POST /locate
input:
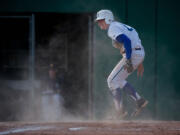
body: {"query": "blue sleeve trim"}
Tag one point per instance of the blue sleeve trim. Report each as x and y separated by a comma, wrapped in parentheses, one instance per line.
(122, 38)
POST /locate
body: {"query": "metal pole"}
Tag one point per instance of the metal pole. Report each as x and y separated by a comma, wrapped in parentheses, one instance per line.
(90, 63)
(156, 57)
(32, 54)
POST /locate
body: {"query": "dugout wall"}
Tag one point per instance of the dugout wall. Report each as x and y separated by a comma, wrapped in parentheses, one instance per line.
(30, 43)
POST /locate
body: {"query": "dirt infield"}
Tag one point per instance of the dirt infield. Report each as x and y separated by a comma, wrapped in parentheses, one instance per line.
(91, 128)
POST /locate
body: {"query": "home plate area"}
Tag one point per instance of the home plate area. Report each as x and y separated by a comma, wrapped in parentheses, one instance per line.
(91, 128)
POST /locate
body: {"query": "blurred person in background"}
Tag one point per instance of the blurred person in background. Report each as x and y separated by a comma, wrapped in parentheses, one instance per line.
(52, 101)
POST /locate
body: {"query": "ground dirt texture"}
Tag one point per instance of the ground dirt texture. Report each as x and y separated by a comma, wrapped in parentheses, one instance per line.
(91, 128)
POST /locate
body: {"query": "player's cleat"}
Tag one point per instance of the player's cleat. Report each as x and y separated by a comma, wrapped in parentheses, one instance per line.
(118, 116)
(121, 114)
(141, 103)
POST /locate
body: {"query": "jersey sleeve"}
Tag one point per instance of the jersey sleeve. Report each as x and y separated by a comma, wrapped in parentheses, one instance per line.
(127, 44)
(114, 31)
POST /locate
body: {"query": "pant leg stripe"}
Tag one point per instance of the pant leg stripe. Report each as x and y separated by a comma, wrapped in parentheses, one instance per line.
(117, 74)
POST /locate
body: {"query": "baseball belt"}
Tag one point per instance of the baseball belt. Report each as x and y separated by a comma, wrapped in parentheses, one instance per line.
(136, 49)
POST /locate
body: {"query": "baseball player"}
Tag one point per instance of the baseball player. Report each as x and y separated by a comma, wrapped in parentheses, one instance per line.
(126, 39)
(52, 100)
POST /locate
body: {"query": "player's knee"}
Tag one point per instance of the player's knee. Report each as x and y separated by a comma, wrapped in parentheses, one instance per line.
(122, 83)
(110, 83)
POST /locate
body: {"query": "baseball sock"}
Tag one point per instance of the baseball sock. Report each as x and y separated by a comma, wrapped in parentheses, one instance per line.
(131, 91)
(117, 94)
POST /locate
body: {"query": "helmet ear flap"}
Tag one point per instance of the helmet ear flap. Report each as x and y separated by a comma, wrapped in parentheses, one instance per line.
(108, 21)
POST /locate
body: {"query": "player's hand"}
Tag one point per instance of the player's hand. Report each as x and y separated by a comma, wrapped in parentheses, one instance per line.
(140, 70)
(128, 66)
(116, 44)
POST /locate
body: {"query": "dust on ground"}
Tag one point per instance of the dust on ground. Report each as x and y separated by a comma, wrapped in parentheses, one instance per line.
(91, 128)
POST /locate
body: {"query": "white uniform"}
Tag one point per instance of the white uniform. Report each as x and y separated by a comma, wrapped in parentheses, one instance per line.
(117, 78)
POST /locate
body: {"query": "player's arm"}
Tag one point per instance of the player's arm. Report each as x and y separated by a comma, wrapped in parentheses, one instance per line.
(122, 38)
(140, 70)
(117, 34)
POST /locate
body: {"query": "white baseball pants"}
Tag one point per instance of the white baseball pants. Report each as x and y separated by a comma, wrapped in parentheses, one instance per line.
(117, 78)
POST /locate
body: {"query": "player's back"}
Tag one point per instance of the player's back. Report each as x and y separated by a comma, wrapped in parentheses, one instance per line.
(117, 28)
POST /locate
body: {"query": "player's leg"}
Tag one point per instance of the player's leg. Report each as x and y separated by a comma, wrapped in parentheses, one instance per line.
(113, 81)
(116, 91)
(129, 89)
(140, 101)
(56, 106)
(118, 102)
(136, 59)
(45, 107)
(117, 79)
